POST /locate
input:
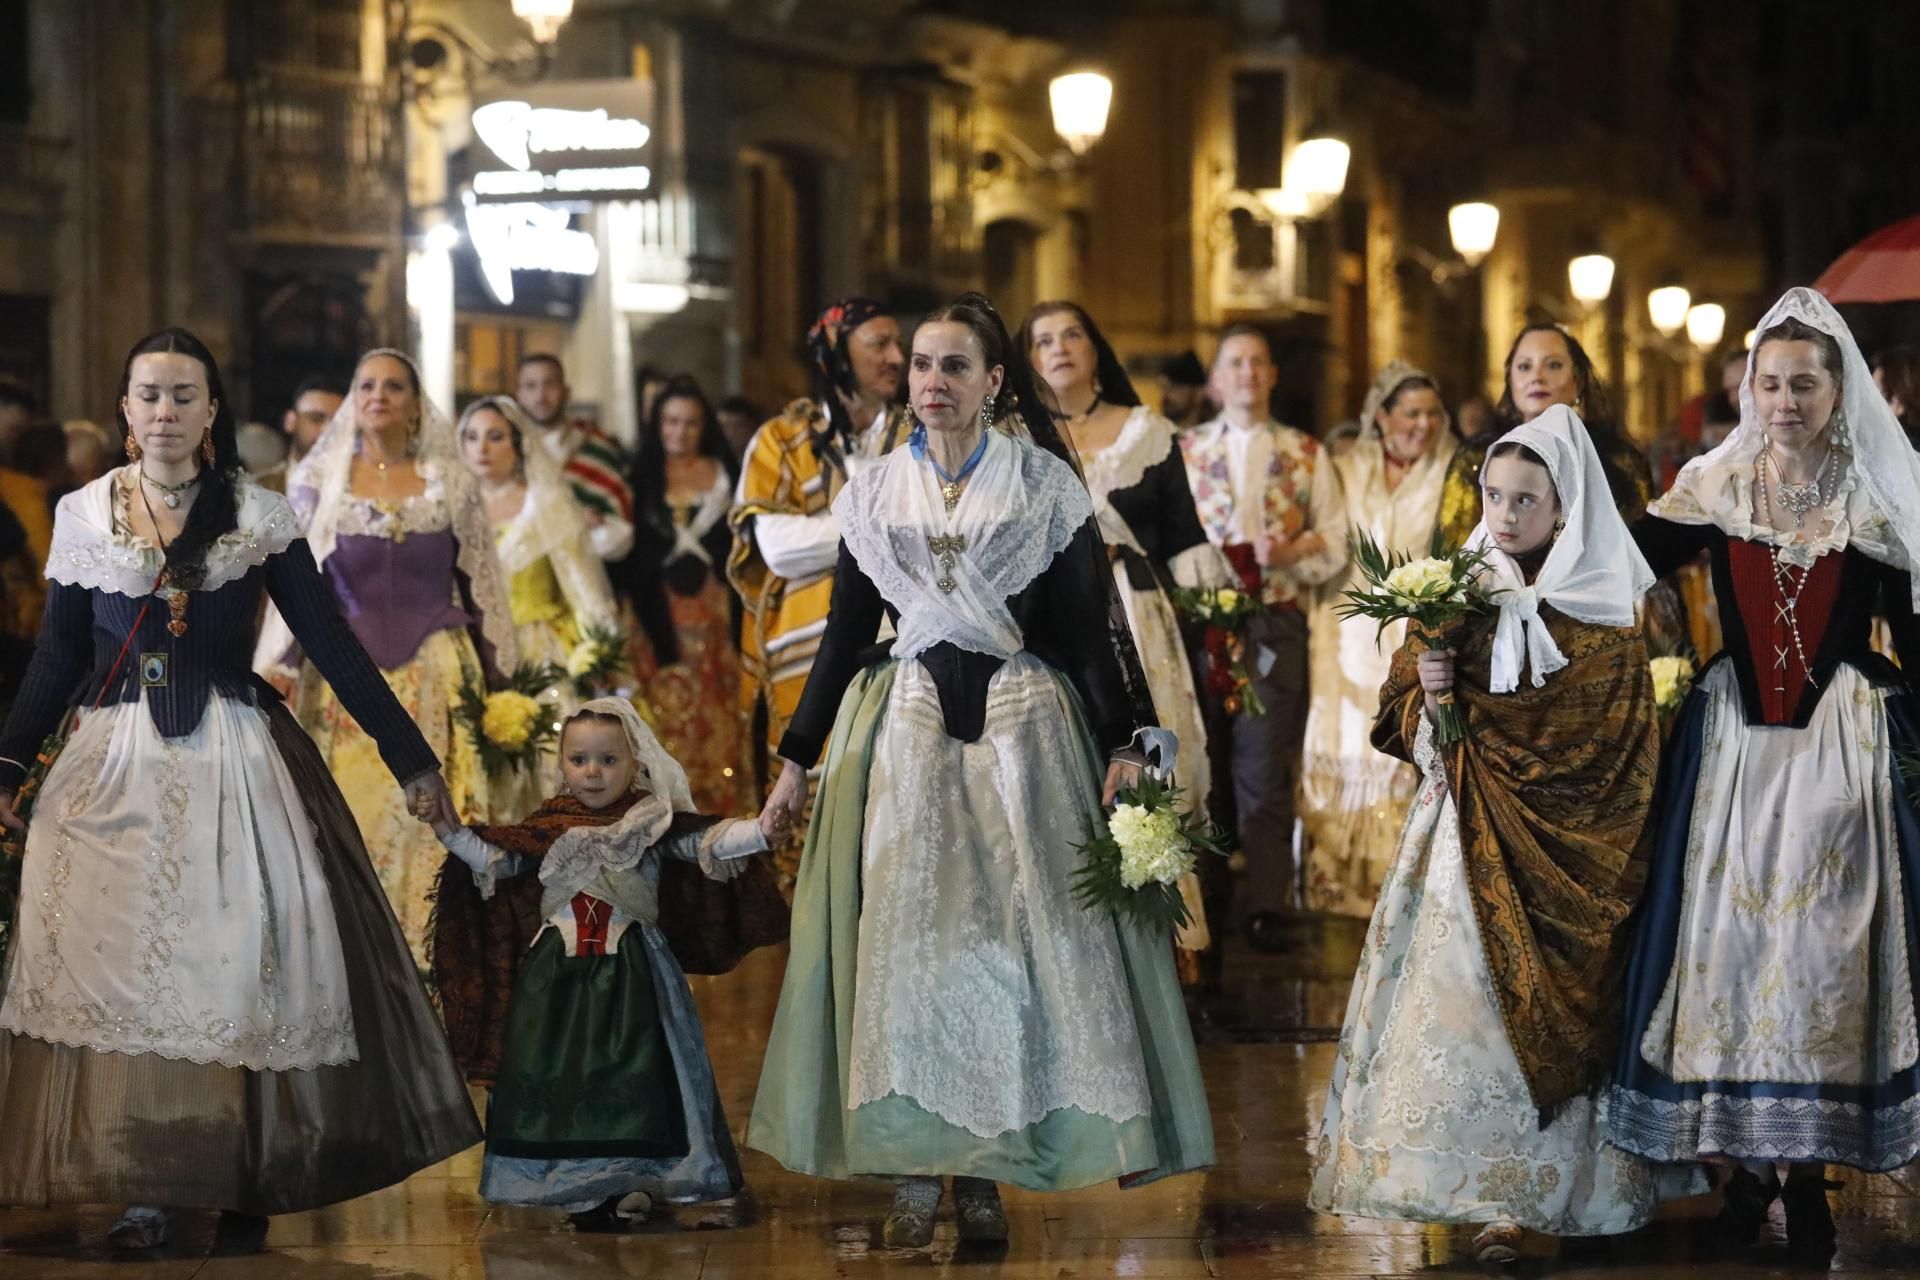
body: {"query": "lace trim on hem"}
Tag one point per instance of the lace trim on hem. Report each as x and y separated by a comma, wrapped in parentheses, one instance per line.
(333, 1058)
(953, 1116)
(1765, 1128)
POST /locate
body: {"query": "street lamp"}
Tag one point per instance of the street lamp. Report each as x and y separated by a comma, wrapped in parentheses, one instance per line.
(545, 17)
(1706, 325)
(1590, 276)
(1317, 171)
(1472, 227)
(1667, 308)
(1080, 101)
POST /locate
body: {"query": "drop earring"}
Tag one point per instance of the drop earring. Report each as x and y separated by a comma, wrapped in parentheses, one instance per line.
(986, 415)
(133, 447)
(206, 447)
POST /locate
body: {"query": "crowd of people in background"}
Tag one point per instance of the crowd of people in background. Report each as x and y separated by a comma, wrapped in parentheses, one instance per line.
(702, 604)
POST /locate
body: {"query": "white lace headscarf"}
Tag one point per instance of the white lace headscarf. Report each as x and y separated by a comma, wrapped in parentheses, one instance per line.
(581, 854)
(1594, 571)
(318, 489)
(1876, 506)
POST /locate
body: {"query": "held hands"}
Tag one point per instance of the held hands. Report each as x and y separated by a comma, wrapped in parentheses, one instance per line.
(8, 818)
(1436, 676)
(785, 805)
(429, 800)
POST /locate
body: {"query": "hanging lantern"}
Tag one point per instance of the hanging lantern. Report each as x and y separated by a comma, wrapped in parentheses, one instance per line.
(1667, 307)
(1080, 105)
(1473, 227)
(1706, 325)
(545, 17)
(1317, 170)
(1591, 278)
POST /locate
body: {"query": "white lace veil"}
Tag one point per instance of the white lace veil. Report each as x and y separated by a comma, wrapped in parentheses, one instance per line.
(551, 518)
(1717, 487)
(1594, 572)
(581, 854)
(318, 489)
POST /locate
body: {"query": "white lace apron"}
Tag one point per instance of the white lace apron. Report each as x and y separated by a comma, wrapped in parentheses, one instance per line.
(983, 993)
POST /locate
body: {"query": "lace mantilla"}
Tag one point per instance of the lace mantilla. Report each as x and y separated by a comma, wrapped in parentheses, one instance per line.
(93, 549)
(1020, 509)
(1145, 441)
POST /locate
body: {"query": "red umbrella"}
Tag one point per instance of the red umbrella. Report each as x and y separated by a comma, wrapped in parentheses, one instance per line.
(1885, 267)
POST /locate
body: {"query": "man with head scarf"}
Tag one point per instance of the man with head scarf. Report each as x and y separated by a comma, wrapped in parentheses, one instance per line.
(786, 539)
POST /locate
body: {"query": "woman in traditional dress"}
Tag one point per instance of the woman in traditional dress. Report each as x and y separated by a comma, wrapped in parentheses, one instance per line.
(556, 585)
(1353, 798)
(1138, 482)
(1486, 1003)
(397, 525)
(1770, 1009)
(948, 1008)
(684, 477)
(209, 1004)
(1547, 366)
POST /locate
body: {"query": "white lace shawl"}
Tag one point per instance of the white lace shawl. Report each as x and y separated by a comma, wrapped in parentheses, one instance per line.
(1594, 572)
(88, 550)
(318, 489)
(1876, 506)
(550, 524)
(1020, 509)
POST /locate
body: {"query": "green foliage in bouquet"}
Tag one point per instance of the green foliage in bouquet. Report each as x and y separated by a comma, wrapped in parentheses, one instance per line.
(596, 659)
(1132, 870)
(1435, 592)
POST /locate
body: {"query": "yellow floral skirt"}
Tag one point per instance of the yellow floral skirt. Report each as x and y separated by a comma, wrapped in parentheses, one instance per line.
(405, 852)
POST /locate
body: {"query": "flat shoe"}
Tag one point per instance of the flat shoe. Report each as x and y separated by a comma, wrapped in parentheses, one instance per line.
(1498, 1242)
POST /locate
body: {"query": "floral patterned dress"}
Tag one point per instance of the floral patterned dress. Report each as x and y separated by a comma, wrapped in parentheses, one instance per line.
(1428, 1115)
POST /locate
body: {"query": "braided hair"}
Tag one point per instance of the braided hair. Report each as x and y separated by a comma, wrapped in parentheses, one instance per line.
(216, 511)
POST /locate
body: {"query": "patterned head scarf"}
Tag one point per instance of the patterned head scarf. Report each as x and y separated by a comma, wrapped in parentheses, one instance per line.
(832, 366)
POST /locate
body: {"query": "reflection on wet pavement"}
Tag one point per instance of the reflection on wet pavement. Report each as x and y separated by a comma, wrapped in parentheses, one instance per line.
(1266, 1045)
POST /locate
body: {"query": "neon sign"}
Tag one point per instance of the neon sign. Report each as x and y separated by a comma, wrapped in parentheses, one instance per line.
(584, 140)
(524, 236)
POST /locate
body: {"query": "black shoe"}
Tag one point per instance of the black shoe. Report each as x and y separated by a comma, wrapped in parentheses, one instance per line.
(239, 1234)
(602, 1219)
(1267, 931)
(1746, 1201)
(1811, 1235)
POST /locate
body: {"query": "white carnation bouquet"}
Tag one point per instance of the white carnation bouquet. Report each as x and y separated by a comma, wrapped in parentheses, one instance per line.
(1132, 870)
(1436, 594)
(596, 659)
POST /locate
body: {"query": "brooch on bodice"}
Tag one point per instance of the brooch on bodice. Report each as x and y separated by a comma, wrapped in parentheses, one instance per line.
(946, 546)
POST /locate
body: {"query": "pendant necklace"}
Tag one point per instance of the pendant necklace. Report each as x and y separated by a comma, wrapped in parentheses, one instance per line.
(176, 599)
(169, 493)
(1799, 499)
(950, 484)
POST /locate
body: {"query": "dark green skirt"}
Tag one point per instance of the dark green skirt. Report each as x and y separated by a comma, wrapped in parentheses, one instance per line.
(585, 1069)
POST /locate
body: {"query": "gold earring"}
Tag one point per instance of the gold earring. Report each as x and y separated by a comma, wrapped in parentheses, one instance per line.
(206, 447)
(133, 447)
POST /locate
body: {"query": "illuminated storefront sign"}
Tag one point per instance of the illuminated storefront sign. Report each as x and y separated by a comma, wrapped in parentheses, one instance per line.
(580, 140)
(527, 237)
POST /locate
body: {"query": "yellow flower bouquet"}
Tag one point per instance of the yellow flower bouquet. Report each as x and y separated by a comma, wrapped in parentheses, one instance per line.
(1435, 593)
(510, 725)
(1672, 679)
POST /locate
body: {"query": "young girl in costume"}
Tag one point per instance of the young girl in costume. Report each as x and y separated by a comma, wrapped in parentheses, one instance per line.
(603, 1096)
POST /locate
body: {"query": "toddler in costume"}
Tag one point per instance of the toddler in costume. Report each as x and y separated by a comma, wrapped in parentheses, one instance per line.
(603, 1101)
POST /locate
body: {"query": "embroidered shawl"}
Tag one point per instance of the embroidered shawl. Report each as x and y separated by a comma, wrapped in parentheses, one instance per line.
(1553, 786)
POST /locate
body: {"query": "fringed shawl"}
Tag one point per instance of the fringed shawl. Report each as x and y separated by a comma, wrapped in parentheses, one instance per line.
(1553, 786)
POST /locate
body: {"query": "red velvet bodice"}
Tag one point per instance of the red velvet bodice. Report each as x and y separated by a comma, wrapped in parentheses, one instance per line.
(1778, 662)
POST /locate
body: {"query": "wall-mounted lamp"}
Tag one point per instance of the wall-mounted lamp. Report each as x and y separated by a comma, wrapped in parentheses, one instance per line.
(1706, 325)
(1472, 227)
(1590, 278)
(1080, 102)
(1316, 171)
(1667, 307)
(544, 17)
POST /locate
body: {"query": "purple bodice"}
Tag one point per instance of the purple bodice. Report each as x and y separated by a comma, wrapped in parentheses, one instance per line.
(396, 592)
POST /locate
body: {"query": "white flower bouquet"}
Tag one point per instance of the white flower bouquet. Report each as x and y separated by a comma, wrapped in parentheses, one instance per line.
(1435, 594)
(1132, 871)
(593, 661)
